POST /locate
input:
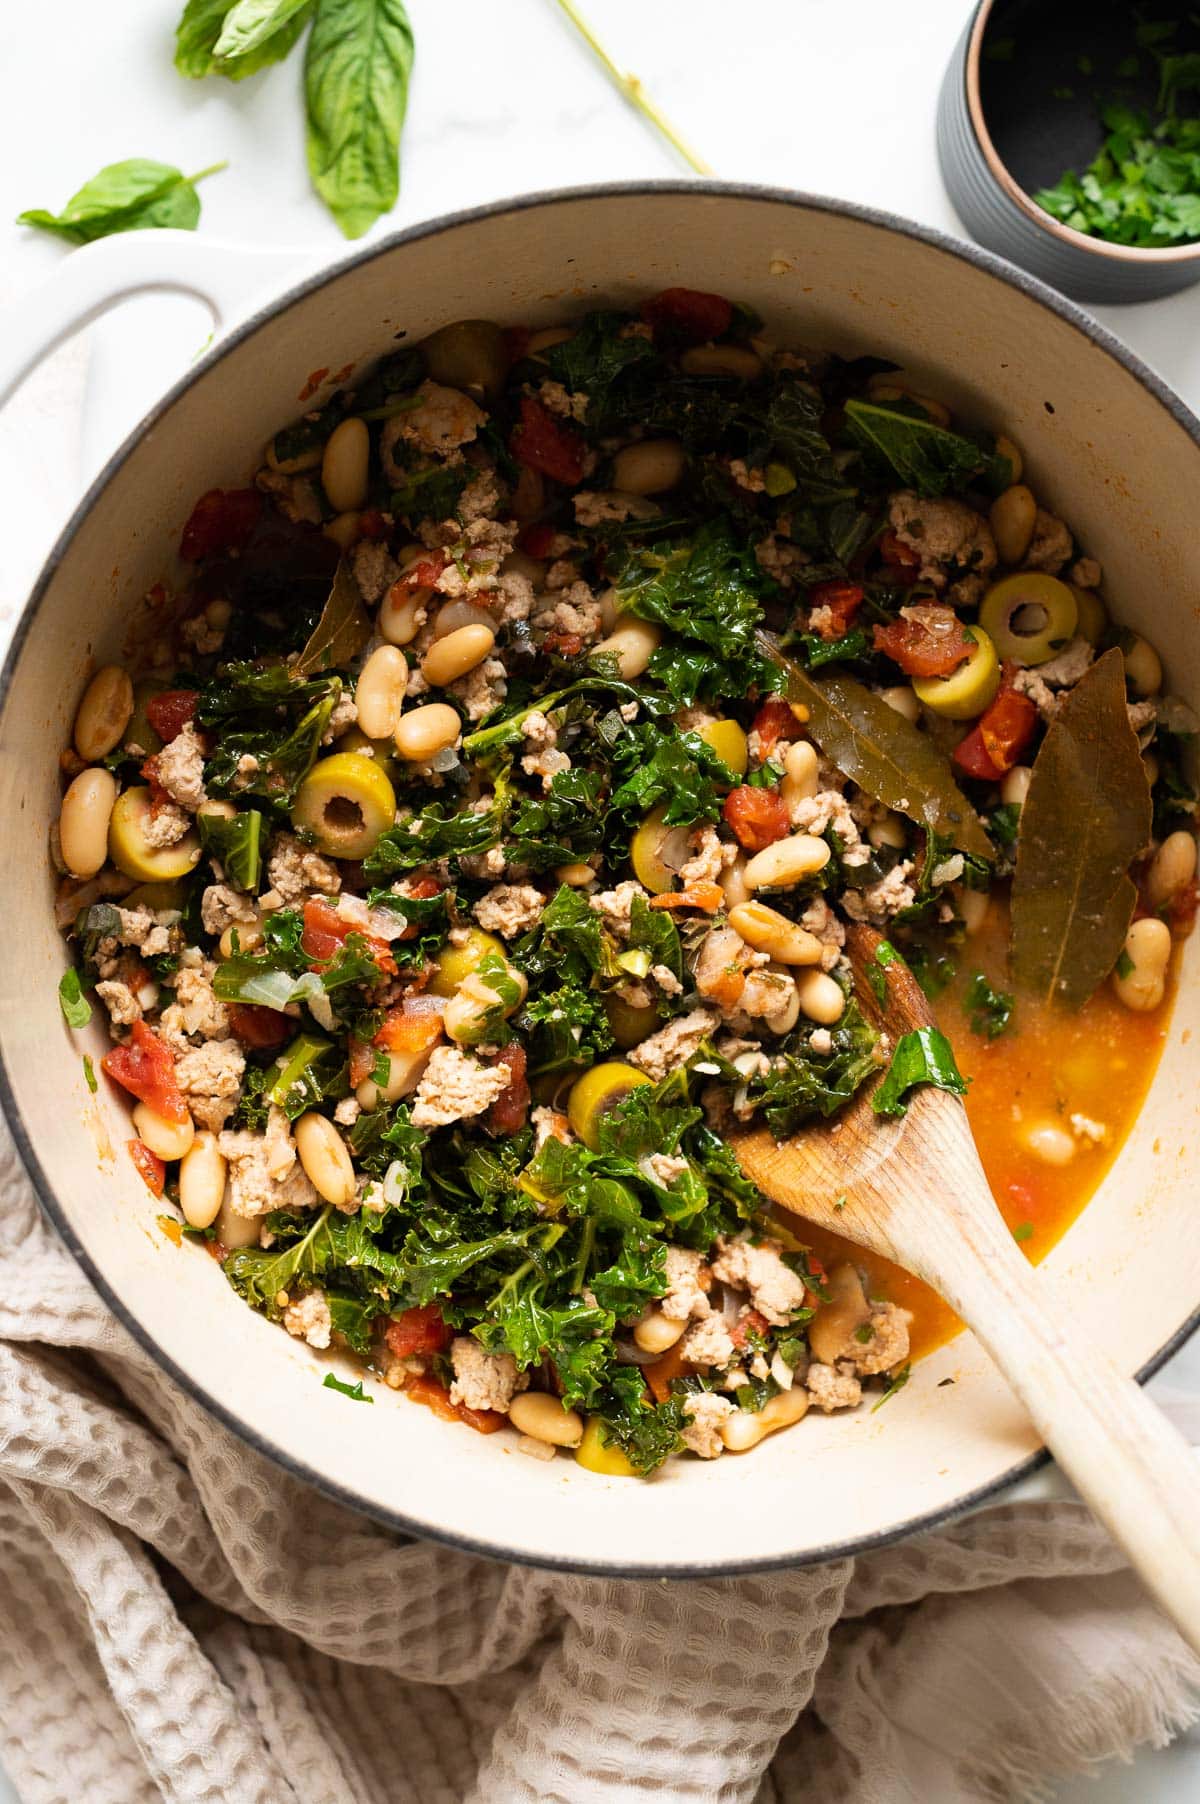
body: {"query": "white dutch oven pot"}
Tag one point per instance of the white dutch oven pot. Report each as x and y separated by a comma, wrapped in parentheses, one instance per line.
(1107, 446)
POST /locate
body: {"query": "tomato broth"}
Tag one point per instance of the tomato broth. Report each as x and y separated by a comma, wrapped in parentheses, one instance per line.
(1046, 1068)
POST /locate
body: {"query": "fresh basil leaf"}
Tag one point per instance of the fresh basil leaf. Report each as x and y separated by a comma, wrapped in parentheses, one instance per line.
(356, 74)
(923, 1056)
(925, 456)
(1086, 817)
(355, 1391)
(77, 1010)
(200, 27)
(125, 197)
(250, 23)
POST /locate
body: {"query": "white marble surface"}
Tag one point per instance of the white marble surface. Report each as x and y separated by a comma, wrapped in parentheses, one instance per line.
(833, 96)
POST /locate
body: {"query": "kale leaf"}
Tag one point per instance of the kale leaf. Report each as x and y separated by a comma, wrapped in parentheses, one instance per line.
(901, 437)
(923, 1056)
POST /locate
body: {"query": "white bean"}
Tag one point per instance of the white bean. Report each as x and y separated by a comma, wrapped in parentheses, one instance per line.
(83, 822)
(1146, 954)
(1143, 667)
(721, 360)
(1052, 1145)
(649, 467)
(746, 1428)
(973, 906)
(325, 1158)
(575, 876)
(168, 1139)
(202, 1183)
(234, 1230)
(768, 931)
(460, 651)
(379, 692)
(800, 773)
(787, 862)
(1015, 785)
(104, 713)
(1012, 518)
(343, 529)
(784, 1018)
(216, 809)
(821, 999)
(426, 731)
(544, 1418)
(887, 388)
(888, 831)
(546, 336)
(460, 613)
(1171, 869)
(733, 882)
(633, 643)
(402, 614)
(902, 699)
(249, 935)
(344, 465)
(656, 1331)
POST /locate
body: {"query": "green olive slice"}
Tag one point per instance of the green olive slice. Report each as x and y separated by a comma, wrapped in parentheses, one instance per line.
(346, 803)
(1030, 616)
(968, 690)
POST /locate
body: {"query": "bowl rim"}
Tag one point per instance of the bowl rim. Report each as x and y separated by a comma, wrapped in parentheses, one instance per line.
(393, 1519)
(1131, 254)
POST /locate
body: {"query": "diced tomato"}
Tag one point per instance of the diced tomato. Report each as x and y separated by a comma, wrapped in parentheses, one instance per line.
(971, 757)
(816, 1271)
(1007, 727)
(746, 1325)
(843, 601)
(326, 931)
(159, 796)
(702, 894)
(661, 1375)
(256, 1026)
(436, 1397)
(537, 540)
(567, 645)
(146, 1068)
(170, 711)
(902, 563)
(419, 1330)
(1002, 733)
(544, 444)
(925, 641)
(689, 314)
(222, 520)
(773, 722)
(510, 1111)
(150, 1166)
(758, 817)
(410, 1028)
(371, 524)
(361, 1061)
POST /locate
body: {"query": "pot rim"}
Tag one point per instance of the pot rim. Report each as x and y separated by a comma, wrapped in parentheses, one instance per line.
(1132, 255)
(396, 1520)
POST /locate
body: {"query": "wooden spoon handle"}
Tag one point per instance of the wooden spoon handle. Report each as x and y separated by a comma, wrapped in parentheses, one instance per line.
(1125, 1459)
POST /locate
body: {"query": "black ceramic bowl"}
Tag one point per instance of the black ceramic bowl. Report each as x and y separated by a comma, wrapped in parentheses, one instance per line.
(1019, 106)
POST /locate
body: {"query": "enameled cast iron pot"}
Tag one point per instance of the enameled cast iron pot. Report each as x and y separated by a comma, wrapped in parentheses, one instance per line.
(1107, 446)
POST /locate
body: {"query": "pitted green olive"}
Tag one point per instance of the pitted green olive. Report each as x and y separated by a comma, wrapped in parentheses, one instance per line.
(1092, 623)
(1029, 617)
(346, 802)
(968, 690)
(595, 1093)
(468, 354)
(728, 741)
(630, 1025)
(132, 851)
(456, 962)
(657, 852)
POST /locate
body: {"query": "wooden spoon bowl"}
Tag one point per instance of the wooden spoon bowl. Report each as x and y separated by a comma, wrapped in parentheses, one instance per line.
(914, 1190)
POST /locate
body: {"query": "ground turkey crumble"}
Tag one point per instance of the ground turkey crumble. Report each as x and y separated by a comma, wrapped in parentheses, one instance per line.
(309, 1319)
(614, 906)
(509, 909)
(950, 538)
(706, 1412)
(454, 1087)
(210, 1077)
(775, 1290)
(673, 1044)
(294, 870)
(180, 769)
(684, 1296)
(483, 1380)
(264, 1172)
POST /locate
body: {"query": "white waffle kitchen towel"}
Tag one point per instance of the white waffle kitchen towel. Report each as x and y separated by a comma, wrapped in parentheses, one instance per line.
(179, 1620)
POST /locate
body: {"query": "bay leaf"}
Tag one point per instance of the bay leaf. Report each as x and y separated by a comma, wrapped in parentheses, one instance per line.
(342, 630)
(886, 755)
(1086, 817)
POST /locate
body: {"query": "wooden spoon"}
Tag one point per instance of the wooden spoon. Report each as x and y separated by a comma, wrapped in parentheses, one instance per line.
(914, 1190)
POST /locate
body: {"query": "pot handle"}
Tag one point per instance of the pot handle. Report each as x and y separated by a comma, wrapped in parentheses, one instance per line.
(228, 278)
